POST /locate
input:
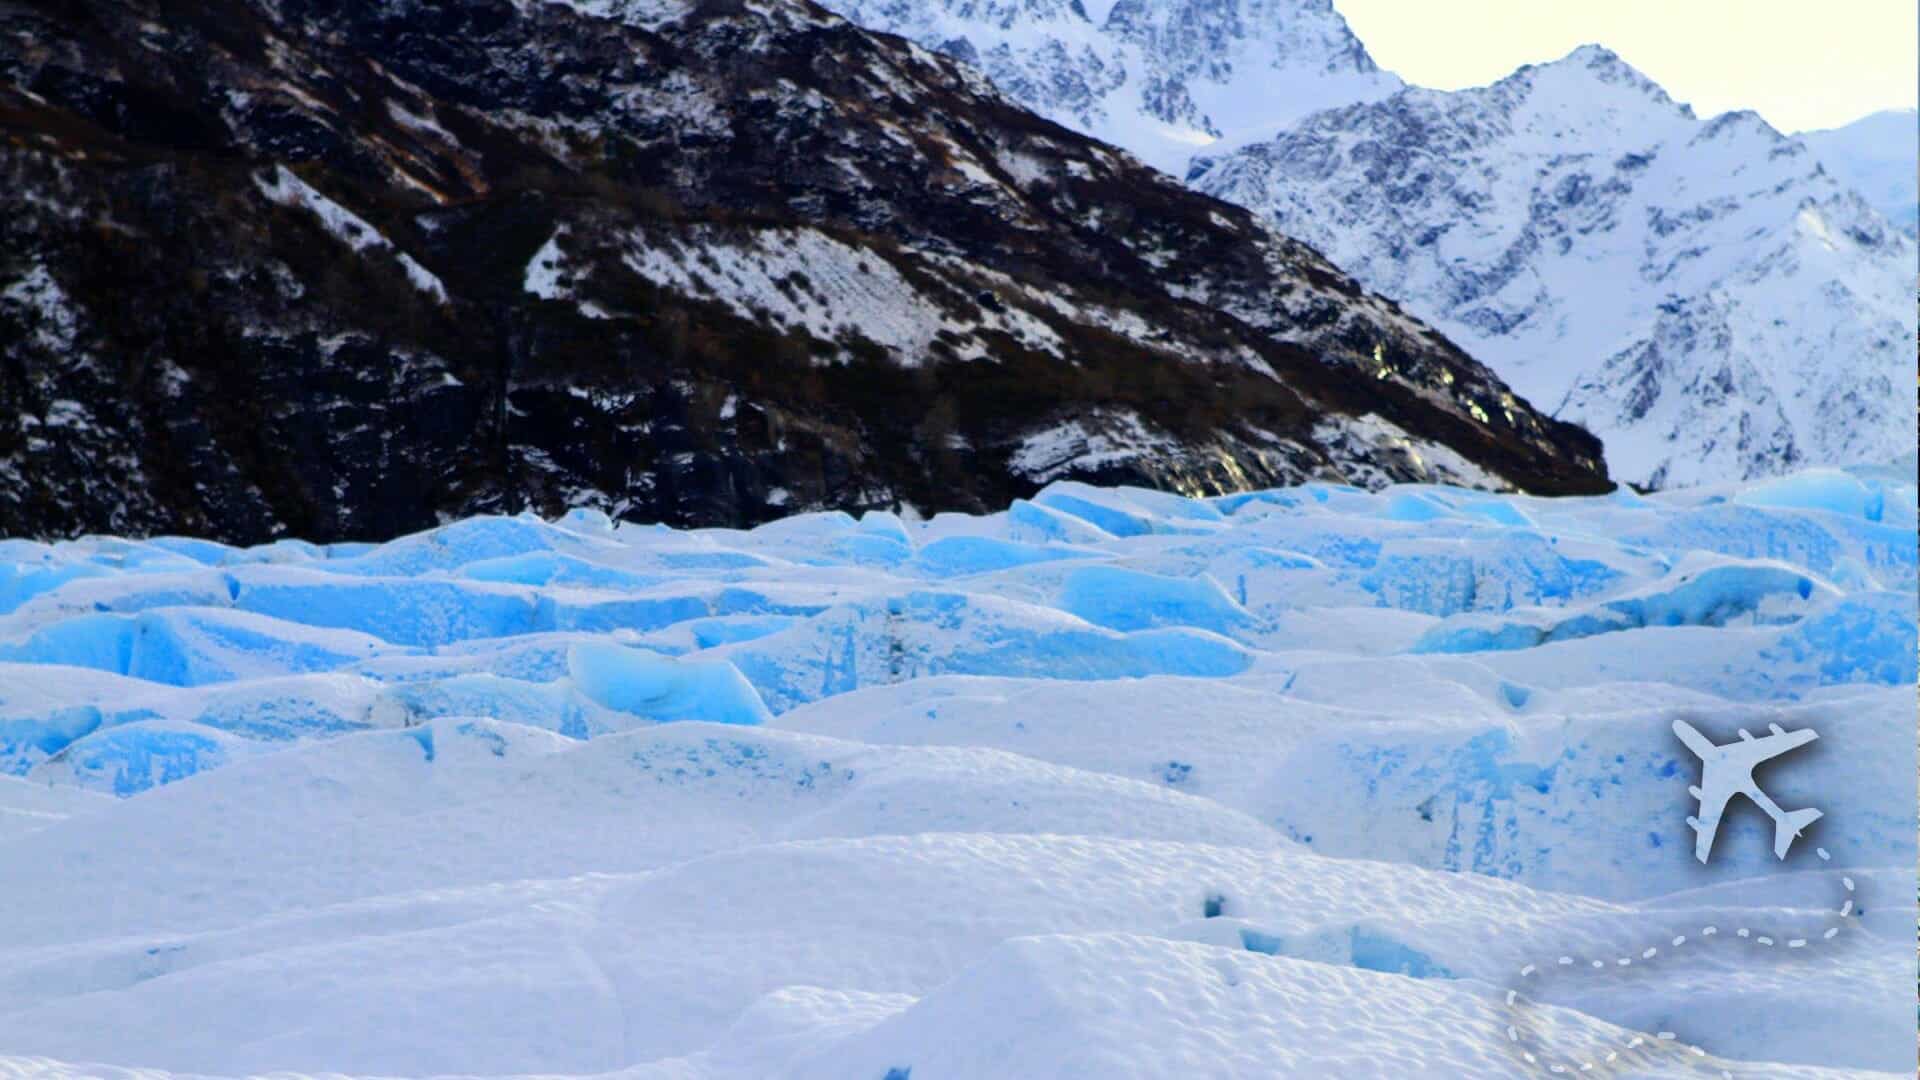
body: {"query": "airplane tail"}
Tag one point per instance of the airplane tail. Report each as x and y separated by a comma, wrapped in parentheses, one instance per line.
(1789, 827)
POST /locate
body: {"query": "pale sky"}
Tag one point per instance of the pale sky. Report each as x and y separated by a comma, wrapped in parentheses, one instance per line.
(1799, 63)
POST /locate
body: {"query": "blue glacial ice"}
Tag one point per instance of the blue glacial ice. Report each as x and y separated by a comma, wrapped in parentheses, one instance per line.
(583, 626)
(132, 758)
(1711, 595)
(958, 556)
(189, 646)
(22, 581)
(664, 688)
(1122, 599)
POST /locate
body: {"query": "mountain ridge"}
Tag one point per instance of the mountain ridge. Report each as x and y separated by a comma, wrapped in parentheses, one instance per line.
(1706, 274)
(1879, 155)
(1645, 373)
(1158, 78)
(341, 270)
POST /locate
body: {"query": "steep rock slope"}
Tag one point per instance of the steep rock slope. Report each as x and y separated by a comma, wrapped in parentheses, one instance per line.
(343, 269)
(1878, 156)
(1162, 78)
(1699, 293)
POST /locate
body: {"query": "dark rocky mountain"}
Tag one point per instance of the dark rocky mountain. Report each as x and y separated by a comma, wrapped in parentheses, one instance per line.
(338, 269)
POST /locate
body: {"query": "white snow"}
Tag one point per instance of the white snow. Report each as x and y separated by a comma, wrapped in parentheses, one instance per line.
(419, 122)
(543, 270)
(803, 279)
(549, 277)
(1111, 783)
(29, 807)
(349, 228)
(1878, 156)
(1109, 439)
(1162, 80)
(47, 306)
(645, 14)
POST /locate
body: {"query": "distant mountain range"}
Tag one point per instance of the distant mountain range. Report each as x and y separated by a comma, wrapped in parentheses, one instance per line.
(341, 270)
(1701, 293)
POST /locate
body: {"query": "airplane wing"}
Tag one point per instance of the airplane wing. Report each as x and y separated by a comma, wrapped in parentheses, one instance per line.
(1707, 824)
(1750, 751)
(1701, 746)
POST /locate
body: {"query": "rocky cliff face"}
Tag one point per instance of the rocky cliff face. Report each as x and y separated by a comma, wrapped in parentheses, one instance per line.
(342, 269)
(1701, 294)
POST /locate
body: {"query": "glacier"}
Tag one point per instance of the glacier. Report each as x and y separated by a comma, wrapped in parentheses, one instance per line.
(1114, 782)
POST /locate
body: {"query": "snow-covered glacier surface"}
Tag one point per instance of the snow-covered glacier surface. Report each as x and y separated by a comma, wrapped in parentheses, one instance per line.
(1113, 783)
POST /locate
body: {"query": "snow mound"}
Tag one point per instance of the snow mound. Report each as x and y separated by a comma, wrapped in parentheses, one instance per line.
(1084, 1005)
(955, 556)
(453, 802)
(1087, 1002)
(131, 758)
(27, 807)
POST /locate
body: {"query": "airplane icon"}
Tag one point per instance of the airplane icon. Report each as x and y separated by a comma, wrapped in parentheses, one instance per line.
(1727, 771)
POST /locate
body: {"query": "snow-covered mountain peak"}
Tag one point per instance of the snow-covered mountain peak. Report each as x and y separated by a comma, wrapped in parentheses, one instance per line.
(1235, 57)
(1601, 63)
(1558, 222)
(1587, 93)
(1269, 33)
(1162, 78)
(1700, 293)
